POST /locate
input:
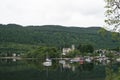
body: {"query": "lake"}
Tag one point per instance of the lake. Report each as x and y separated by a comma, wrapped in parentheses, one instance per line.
(11, 69)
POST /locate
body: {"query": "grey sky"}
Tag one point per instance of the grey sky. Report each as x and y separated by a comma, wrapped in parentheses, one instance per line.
(53, 12)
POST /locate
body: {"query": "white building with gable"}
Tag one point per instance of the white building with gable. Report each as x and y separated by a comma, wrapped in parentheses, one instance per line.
(67, 50)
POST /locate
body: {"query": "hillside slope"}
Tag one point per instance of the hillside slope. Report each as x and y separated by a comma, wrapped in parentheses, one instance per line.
(54, 35)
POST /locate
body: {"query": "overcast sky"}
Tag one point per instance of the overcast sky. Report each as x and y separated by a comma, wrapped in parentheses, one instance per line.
(82, 13)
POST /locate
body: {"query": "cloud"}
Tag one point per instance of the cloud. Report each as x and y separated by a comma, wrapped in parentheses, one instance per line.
(59, 12)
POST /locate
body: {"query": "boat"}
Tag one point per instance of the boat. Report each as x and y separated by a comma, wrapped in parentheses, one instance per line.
(48, 62)
(62, 61)
(118, 59)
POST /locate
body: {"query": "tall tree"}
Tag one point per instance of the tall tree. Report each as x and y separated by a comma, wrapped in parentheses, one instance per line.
(113, 14)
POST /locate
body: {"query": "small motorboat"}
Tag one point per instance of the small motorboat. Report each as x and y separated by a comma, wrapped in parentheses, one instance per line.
(48, 62)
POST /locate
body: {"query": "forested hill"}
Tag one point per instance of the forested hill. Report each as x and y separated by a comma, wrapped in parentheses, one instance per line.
(54, 35)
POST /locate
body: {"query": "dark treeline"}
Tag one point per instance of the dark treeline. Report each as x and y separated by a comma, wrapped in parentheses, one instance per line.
(27, 37)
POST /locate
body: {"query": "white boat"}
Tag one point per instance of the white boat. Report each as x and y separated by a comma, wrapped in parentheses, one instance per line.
(47, 59)
(62, 61)
(48, 62)
(88, 60)
(75, 60)
(118, 59)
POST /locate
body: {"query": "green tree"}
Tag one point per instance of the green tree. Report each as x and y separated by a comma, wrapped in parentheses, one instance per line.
(111, 74)
(112, 13)
(73, 54)
(42, 52)
(103, 32)
(115, 36)
(88, 48)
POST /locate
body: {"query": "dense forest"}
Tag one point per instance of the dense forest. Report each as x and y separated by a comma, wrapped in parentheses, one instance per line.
(15, 37)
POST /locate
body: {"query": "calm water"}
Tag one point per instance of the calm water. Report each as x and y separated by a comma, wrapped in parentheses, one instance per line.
(35, 70)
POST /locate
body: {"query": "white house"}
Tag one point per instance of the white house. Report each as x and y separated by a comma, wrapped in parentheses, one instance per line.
(67, 50)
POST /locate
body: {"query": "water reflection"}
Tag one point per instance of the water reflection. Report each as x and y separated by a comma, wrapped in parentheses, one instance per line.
(51, 64)
(35, 69)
